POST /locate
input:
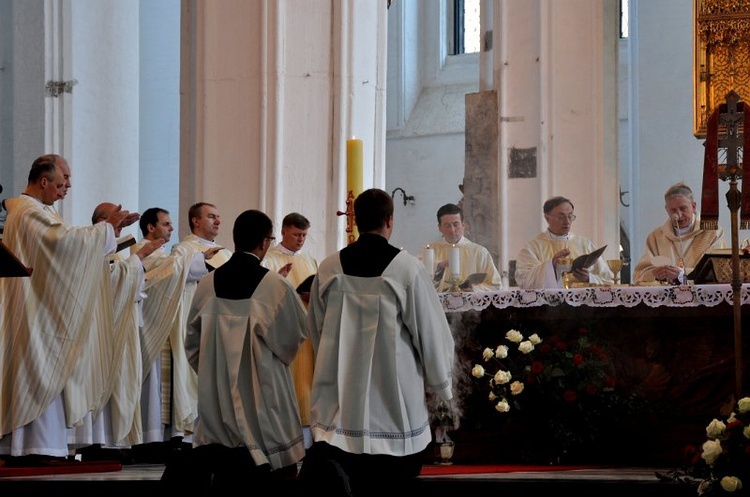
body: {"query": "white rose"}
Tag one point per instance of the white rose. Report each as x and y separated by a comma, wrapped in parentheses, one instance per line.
(514, 336)
(746, 432)
(502, 377)
(732, 418)
(487, 354)
(731, 483)
(501, 352)
(744, 405)
(477, 371)
(535, 339)
(516, 387)
(502, 406)
(526, 346)
(492, 395)
(716, 429)
(711, 451)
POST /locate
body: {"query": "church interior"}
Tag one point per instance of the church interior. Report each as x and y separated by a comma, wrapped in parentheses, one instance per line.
(494, 105)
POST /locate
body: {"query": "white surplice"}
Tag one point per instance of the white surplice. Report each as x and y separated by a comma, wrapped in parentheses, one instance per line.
(378, 342)
(241, 350)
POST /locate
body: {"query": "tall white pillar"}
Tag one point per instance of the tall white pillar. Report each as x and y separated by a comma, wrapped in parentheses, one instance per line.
(271, 91)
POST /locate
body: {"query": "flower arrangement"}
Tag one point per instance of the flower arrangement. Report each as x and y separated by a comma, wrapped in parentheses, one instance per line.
(721, 466)
(567, 384)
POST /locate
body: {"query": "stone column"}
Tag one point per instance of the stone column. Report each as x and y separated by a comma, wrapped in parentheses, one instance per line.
(553, 75)
(271, 92)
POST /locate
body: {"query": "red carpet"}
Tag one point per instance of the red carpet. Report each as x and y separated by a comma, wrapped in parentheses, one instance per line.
(458, 469)
(61, 468)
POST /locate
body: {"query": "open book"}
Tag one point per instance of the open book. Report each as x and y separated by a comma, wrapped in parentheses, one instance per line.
(473, 279)
(587, 260)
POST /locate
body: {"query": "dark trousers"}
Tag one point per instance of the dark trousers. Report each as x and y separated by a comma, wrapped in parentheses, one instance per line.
(337, 473)
(216, 470)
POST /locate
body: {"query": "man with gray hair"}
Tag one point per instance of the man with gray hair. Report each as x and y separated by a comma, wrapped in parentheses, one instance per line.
(675, 248)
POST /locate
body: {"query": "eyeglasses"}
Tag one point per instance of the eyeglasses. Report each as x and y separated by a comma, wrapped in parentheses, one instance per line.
(562, 217)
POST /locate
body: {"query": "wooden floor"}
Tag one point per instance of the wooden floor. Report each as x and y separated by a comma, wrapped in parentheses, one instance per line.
(142, 480)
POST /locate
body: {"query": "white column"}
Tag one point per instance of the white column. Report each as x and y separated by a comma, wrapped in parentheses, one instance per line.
(271, 92)
(549, 64)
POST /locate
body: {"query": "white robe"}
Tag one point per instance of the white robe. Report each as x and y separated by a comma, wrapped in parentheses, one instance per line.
(46, 324)
(378, 341)
(473, 258)
(166, 277)
(241, 350)
(534, 263)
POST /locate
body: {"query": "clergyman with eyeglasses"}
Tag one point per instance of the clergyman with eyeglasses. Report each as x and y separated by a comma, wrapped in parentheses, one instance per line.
(540, 260)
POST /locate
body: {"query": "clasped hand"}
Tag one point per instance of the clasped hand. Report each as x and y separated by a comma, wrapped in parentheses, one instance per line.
(666, 273)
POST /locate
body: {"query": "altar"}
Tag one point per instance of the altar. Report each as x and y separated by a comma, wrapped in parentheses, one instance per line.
(671, 348)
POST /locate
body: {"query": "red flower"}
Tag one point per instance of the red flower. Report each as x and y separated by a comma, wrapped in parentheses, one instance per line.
(537, 367)
(545, 348)
(583, 331)
(570, 396)
(578, 359)
(610, 381)
(591, 389)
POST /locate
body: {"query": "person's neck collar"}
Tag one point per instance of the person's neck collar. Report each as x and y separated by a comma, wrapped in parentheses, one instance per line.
(204, 239)
(456, 242)
(553, 236)
(285, 250)
(254, 255)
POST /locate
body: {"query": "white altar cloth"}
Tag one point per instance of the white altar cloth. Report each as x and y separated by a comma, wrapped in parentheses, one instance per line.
(613, 296)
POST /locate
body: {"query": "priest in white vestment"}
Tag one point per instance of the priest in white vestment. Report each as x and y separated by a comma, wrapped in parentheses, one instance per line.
(166, 277)
(677, 246)
(46, 326)
(381, 339)
(288, 259)
(118, 425)
(179, 384)
(537, 262)
(245, 326)
(471, 258)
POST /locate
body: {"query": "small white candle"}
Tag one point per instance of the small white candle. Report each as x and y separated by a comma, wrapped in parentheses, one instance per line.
(428, 259)
(455, 261)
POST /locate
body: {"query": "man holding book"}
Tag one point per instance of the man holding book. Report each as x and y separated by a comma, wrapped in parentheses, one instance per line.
(539, 264)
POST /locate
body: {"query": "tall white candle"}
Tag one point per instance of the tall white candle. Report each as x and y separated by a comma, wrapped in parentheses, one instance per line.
(428, 259)
(455, 261)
